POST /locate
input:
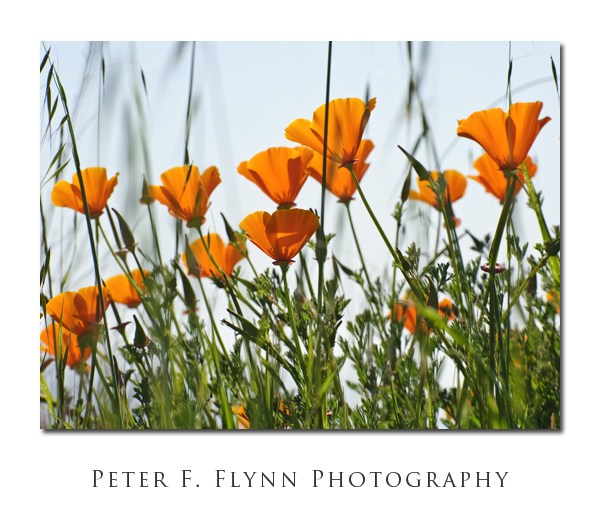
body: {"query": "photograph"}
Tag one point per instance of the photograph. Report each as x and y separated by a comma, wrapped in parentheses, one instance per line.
(300, 235)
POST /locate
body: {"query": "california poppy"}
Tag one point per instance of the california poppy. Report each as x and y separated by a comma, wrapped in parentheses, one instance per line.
(446, 309)
(49, 341)
(456, 184)
(493, 179)
(226, 257)
(123, 292)
(281, 235)
(347, 121)
(408, 309)
(554, 298)
(242, 416)
(187, 201)
(97, 191)
(339, 180)
(506, 139)
(279, 172)
(78, 309)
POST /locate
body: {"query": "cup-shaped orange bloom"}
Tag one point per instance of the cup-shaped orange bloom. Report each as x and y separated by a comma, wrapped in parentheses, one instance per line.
(78, 309)
(456, 183)
(506, 139)
(408, 309)
(123, 292)
(242, 416)
(281, 235)
(97, 191)
(446, 309)
(49, 344)
(339, 180)
(225, 256)
(493, 179)
(186, 201)
(347, 121)
(279, 172)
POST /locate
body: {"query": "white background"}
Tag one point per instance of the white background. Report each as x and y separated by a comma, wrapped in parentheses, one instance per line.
(551, 474)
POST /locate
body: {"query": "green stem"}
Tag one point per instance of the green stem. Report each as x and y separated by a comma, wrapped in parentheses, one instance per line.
(92, 245)
(350, 168)
(534, 201)
(321, 244)
(291, 314)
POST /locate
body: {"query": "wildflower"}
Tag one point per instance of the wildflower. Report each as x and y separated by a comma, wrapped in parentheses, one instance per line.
(97, 191)
(406, 308)
(49, 342)
(226, 257)
(554, 298)
(187, 201)
(347, 121)
(456, 183)
(279, 172)
(339, 180)
(506, 138)
(242, 416)
(78, 309)
(281, 235)
(493, 179)
(447, 309)
(122, 291)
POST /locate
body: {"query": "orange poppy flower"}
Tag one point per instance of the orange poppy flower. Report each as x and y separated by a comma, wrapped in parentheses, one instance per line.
(187, 202)
(506, 140)
(456, 183)
(281, 235)
(446, 309)
(226, 257)
(243, 420)
(339, 181)
(78, 309)
(49, 339)
(279, 172)
(123, 292)
(408, 309)
(97, 191)
(493, 179)
(347, 121)
(554, 298)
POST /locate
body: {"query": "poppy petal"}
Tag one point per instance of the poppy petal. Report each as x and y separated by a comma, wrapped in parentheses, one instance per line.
(299, 132)
(255, 227)
(65, 195)
(289, 230)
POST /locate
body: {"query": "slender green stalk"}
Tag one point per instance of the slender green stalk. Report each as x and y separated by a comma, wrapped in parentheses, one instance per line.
(534, 201)
(92, 245)
(321, 244)
(154, 234)
(46, 247)
(350, 168)
(291, 315)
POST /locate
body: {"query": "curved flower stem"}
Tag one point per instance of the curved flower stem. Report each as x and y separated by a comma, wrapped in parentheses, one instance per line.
(350, 168)
(362, 260)
(534, 201)
(364, 267)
